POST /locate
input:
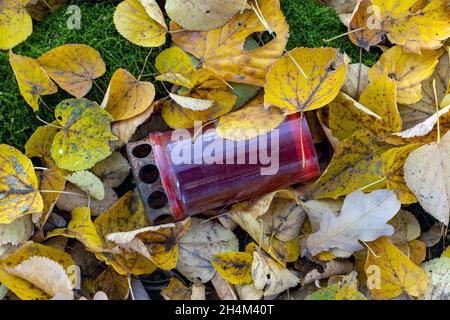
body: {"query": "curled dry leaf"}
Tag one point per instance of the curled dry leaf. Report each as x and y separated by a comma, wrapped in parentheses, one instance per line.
(394, 271)
(113, 170)
(203, 15)
(73, 67)
(270, 276)
(126, 96)
(427, 175)
(363, 217)
(114, 285)
(86, 136)
(199, 245)
(176, 290)
(324, 74)
(157, 243)
(32, 79)
(224, 290)
(16, 24)
(19, 193)
(222, 50)
(312, 269)
(154, 11)
(192, 103)
(134, 23)
(356, 80)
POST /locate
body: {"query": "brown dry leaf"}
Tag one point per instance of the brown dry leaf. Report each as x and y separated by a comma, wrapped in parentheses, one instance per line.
(126, 96)
(176, 290)
(216, 47)
(114, 285)
(313, 269)
(32, 79)
(73, 67)
(113, 170)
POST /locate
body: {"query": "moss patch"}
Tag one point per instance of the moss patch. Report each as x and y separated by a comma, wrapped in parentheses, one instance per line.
(310, 22)
(97, 30)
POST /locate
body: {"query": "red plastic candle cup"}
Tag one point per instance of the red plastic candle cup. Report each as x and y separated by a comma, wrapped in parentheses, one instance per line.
(204, 171)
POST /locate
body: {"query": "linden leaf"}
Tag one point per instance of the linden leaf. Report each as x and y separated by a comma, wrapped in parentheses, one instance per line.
(26, 290)
(223, 52)
(15, 23)
(176, 290)
(234, 267)
(134, 23)
(199, 245)
(113, 170)
(127, 214)
(16, 232)
(438, 271)
(81, 228)
(73, 67)
(19, 194)
(250, 121)
(157, 243)
(270, 276)
(355, 165)
(154, 11)
(203, 15)
(89, 183)
(127, 97)
(292, 91)
(363, 217)
(176, 67)
(407, 228)
(86, 136)
(40, 143)
(32, 79)
(392, 169)
(407, 69)
(427, 175)
(415, 30)
(397, 274)
(52, 180)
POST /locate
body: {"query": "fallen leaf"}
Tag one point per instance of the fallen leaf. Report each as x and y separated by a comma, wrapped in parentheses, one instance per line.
(114, 285)
(192, 103)
(40, 142)
(356, 80)
(154, 11)
(113, 170)
(216, 47)
(224, 290)
(363, 217)
(347, 289)
(73, 67)
(32, 79)
(428, 177)
(234, 267)
(406, 226)
(324, 74)
(19, 193)
(126, 96)
(16, 232)
(176, 67)
(15, 23)
(89, 183)
(134, 23)
(176, 290)
(397, 273)
(86, 135)
(199, 245)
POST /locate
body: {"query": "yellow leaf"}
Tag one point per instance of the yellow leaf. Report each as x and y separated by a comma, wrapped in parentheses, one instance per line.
(157, 243)
(73, 67)
(397, 273)
(392, 169)
(154, 11)
(446, 253)
(86, 136)
(15, 23)
(19, 194)
(203, 15)
(250, 121)
(234, 267)
(133, 23)
(114, 285)
(24, 289)
(40, 143)
(89, 183)
(407, 69)
(51, 180)
(380, 97)
(126, 215)
(222, 50)
(287, 88)
(175, 66)
(346, 289)
(176, 290)
(415, 30)
(355, 166)
(127, 97)
(32, 79)
(192, 103)
(81, 228)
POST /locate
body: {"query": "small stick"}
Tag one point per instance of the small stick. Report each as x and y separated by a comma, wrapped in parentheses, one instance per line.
(344, 34)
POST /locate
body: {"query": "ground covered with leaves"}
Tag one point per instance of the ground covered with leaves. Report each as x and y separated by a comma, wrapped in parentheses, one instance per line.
(81, 79)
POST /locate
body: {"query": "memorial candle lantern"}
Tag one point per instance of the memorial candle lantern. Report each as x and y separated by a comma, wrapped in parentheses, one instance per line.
(183, 173)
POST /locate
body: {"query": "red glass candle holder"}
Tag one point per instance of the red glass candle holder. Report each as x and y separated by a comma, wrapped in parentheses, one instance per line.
(182, 173)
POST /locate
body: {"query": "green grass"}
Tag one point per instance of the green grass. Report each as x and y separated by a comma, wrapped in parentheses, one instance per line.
(309, 23)
(97, 30)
